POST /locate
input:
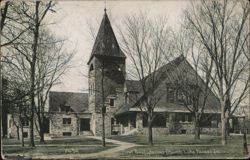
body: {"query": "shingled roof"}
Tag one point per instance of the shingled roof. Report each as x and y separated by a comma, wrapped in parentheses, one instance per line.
(133, 86)
(78, 102)
(168, 75)
(106, 43)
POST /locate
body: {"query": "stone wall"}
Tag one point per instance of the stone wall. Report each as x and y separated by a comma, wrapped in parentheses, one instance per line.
(96, 124)
(172, 127)
(57, 127)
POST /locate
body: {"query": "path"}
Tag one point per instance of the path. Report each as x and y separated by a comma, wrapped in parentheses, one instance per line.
(108, 153)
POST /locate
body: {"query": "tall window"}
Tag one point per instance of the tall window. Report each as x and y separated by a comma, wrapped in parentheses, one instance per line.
(25, 122)
(91, 67)
(91, 89)
(111, 102)
(170, 94)
(180, 97)
(66, 120)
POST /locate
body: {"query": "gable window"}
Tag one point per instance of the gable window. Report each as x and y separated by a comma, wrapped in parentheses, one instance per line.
(180, 97)
(170, 94)
(111, 102)
(66, 120)
(65, 109)
(183, 98)
(25, 122)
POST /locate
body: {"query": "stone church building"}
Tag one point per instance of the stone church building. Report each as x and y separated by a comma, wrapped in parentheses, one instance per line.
(73, 114)
(82, 112)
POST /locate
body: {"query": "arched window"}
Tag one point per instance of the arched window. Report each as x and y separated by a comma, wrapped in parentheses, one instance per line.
(91, 67)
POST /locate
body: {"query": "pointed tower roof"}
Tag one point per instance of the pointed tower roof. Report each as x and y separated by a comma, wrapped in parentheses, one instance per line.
(105, 42)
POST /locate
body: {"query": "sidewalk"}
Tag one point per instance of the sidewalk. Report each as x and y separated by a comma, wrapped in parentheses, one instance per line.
(109, 153)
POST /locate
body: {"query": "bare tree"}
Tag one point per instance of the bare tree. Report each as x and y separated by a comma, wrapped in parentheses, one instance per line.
(193, 86)
(31, 14)
(8, 37)
(53, 61)
(146, 43)
(222, 28)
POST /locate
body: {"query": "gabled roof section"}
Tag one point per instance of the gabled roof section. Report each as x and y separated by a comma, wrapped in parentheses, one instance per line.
(105, 42)
(168, 74)
(78, 102)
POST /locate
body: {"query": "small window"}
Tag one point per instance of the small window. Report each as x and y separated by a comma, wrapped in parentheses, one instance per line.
(214, 124)
(67, 133)
(112, 102)
(25, 134)
(25, 122)
(180, 117)
(66, 120)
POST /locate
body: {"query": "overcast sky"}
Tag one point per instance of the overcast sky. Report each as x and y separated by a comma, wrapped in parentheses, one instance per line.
(72, 17)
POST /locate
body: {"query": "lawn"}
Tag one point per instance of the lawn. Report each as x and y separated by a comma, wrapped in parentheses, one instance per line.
(74, 145)
(66, 141)
(183, 146)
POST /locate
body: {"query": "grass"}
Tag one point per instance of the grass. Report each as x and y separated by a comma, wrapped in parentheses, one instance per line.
(54, 150)
(184, 146)
(184, 139)
(165, 146)
(57, 141)
(57, 146)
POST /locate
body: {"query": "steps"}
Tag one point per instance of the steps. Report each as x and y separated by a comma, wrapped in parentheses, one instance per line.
(131, 132)
(86, 133)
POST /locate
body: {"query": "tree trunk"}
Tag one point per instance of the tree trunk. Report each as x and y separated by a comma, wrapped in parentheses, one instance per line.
(41, 128)
(196, 129)
(33, 73)
(18, 135)
(223, 127)
(103, 130)
(245, 149)
(150, 133)
(22, 136)
(41, 133)
(227, 127)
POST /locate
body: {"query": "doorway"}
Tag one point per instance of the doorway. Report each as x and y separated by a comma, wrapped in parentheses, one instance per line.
(84, 124)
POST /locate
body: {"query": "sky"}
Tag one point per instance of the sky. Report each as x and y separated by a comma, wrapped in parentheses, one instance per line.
(71, 22)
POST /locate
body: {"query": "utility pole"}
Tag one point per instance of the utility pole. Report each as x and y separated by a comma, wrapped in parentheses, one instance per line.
(103, 108)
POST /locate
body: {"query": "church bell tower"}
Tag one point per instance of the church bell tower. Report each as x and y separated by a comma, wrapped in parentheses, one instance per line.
(107, 70)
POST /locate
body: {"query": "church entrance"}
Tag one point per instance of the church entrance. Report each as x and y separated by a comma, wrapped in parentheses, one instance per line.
(84, 124)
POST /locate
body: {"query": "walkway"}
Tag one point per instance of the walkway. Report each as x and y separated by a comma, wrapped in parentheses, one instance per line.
(108, 153)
